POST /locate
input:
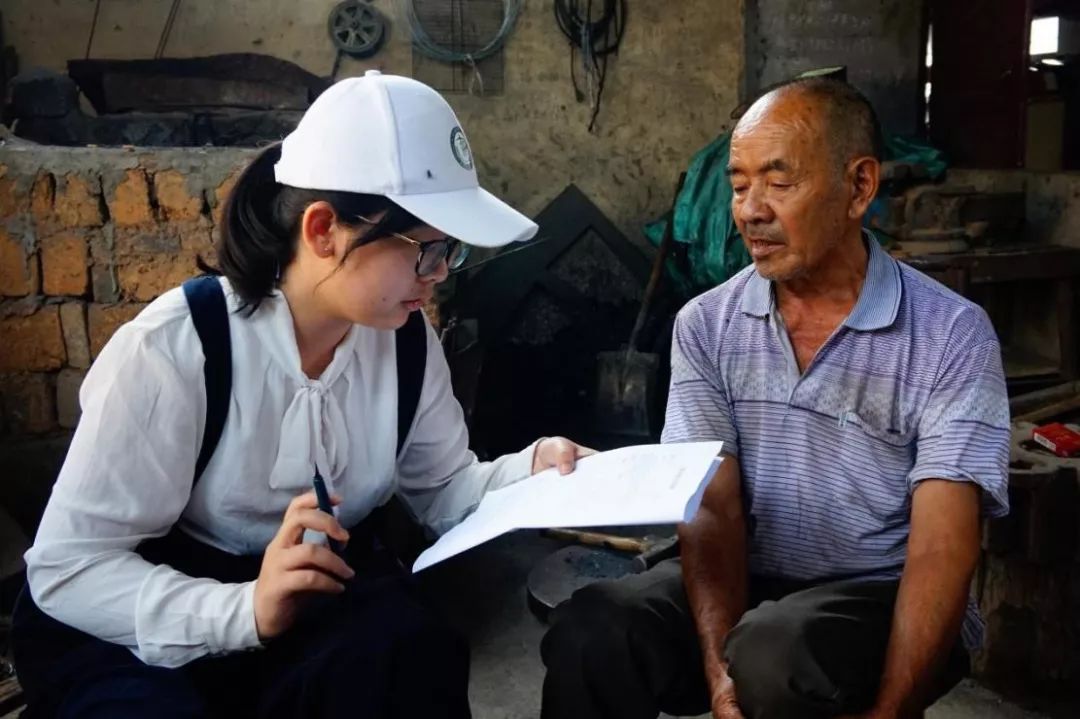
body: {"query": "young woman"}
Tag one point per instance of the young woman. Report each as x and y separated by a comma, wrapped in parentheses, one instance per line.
(151, 594)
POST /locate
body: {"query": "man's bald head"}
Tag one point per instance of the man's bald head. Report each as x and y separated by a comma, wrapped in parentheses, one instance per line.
(804, 169)
(839, 113)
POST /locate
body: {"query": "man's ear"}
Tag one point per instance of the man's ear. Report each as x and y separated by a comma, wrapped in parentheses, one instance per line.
(864, 177)
(315, 229)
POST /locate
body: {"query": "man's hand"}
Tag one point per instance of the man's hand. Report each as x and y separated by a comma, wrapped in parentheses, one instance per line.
(558, 452)
(292, 570)
(713, 551)
(724, 702)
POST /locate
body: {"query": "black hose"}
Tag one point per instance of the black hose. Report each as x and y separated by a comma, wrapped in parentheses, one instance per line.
(595, 39)
(605, 33)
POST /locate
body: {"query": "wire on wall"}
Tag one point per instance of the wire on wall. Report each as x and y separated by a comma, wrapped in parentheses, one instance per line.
(596, 39)
(93, 29)
(425, 45)
(167, 30)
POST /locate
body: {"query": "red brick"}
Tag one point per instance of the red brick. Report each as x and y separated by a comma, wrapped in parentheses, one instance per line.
(13, 202)
(198, 240)
(76, 340)
(130, 201)
(28, 402)
(77, 202)
(144, 279)
(64, 264)
(171, 191)
(103, 320)
(19, 274)
(221, 195)
(41, 199)
(68, 383)
(32, 343)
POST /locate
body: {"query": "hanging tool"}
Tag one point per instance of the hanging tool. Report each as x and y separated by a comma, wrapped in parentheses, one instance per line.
(595, 40)
(626, 380)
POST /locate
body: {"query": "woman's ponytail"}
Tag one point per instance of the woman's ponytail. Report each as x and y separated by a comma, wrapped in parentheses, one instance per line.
(254, 247)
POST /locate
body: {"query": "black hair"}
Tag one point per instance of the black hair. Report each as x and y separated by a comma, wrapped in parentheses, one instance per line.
(261, 224)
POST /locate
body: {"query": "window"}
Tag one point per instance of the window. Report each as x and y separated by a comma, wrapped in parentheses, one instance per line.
(1044, 36)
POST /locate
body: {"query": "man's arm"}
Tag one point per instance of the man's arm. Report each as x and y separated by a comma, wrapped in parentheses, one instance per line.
(961, 467)
(713, 548)
(943, 549)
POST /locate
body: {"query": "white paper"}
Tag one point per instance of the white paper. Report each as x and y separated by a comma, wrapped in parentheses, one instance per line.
(645, 484)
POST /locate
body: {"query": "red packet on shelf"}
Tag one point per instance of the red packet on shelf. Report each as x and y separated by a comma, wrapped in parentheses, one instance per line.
(1058, 438)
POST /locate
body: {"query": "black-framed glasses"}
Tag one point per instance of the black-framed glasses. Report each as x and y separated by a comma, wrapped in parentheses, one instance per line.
(432, 252)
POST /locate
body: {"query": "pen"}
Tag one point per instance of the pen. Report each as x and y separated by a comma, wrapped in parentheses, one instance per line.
(324, 506)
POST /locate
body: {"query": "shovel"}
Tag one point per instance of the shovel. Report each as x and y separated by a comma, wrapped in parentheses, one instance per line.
(605, 556)
(626, 380)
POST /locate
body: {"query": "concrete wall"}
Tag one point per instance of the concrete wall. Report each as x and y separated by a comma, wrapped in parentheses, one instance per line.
(881, 43)
(669, 91)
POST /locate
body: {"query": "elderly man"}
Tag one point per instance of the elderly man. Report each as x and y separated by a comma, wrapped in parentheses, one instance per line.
(863, 412)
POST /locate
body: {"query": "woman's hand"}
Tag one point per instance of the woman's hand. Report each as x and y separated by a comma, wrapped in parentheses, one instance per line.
(292, 570)
(558, 452)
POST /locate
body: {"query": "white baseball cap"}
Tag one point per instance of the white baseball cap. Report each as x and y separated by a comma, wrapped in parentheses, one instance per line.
(393, 136)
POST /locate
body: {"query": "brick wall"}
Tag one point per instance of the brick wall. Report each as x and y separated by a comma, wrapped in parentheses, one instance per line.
(88, 236)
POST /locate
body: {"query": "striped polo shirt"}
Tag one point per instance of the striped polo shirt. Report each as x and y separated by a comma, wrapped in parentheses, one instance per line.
(909, 387)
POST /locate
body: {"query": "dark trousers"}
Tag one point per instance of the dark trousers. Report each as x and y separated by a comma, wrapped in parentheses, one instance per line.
(628, 648)
(374, 652)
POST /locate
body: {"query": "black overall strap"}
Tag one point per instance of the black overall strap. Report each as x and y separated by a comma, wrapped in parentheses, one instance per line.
(411, 340)
(211, 317)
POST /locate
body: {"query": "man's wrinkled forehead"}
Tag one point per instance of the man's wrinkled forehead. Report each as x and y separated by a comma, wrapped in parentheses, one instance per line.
(782, 124)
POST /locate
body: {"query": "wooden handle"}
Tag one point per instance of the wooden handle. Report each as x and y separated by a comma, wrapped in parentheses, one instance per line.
(597, 539)
(657, 268)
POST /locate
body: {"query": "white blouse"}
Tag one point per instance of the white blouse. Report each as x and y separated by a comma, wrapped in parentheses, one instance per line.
(128, 473)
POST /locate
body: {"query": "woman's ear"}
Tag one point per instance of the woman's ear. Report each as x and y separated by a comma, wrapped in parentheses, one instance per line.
(316, 229)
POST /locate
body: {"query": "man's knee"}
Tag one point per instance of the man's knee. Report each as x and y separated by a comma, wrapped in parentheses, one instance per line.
(763, 642)
(768, 662)
(588, 619)
(595, 621)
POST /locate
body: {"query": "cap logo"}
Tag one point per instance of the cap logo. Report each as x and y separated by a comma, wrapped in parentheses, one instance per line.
(460, 147)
